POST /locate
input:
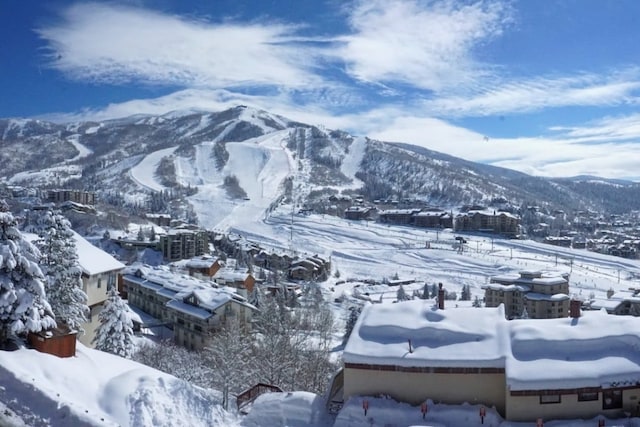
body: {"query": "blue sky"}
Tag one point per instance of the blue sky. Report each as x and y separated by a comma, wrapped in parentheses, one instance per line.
(545, 87)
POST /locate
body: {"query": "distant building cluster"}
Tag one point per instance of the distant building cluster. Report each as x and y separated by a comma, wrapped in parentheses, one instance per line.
(532, 294)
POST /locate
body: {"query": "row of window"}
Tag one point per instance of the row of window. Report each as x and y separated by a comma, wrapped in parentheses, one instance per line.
(611, 399)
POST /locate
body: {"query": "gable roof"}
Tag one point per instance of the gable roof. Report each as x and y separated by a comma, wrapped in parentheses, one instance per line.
(94, 260)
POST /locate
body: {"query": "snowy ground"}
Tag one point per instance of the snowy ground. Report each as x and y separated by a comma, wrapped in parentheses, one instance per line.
(99, 389)
(94, 387)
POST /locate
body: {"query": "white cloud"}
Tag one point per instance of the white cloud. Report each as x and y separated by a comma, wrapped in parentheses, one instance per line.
(119, 44)
(422, 48)
(427, 44)
(521, 95)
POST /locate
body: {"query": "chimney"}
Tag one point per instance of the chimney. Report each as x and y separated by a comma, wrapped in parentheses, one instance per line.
(440, 297)
(574, 308)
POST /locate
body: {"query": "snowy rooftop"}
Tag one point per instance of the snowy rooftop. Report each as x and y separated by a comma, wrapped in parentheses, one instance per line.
(594, 350)
(201, 262)
(506, 288)
(441, 338)
(94, 260)
(544, 297)
(229, 274)
(531, 278)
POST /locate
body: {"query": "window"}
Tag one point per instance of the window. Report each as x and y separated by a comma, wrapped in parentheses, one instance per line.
(549, 398)
(611, 399)
(99, 283)
(587, 396)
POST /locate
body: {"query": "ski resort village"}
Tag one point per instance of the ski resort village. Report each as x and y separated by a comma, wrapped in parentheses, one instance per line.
(253, 294)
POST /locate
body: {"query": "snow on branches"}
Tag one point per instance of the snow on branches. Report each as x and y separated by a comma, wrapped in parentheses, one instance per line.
(23, 303)
(115, 333)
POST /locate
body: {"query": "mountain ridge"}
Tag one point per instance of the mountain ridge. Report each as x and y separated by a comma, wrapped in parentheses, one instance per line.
(100, 156)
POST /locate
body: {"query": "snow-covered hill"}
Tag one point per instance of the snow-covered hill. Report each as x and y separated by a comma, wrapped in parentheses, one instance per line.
(230, 153)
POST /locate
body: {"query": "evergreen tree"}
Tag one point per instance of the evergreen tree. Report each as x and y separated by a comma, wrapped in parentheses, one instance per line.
(401, 295)
(140, 234)
(60, 265)
(476, 302)
(465, 294)
(434, 290)
(425, 292)
(23, 303)
(115, 333)
(152, 234)
(354, 313)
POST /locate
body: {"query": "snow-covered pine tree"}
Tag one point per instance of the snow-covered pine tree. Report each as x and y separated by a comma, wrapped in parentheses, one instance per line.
(425, 292)
(23, 303)
(115, 332)
(401, 295)
(59, 263)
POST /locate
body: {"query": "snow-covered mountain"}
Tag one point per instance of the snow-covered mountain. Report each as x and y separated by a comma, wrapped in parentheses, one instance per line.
(243, 156)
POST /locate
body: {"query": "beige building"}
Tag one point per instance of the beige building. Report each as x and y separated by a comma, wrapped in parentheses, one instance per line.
(193, 308)
(488, 221)
(560, 368)
(532, 294)
(99, 273)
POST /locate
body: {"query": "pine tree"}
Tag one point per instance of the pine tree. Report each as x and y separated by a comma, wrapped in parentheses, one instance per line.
(425, 292)
(401, 295)
(354, 313)
(434, 290)
(465, 294)
(476, 302)
(23, 303)
(60, 265)
(115, 333)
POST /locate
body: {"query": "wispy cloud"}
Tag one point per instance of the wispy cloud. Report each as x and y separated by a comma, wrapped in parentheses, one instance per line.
(108, 43)
(426, 44)
(521, 95)
(398, 74)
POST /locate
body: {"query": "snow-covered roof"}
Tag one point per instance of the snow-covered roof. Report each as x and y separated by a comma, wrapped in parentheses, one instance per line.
(607, 304)
(506, 288)
(531, 278)
(94, 260)
(462, 337)
(201, 262)
(544, 297)
(594, 350)
(177, 287)
(189, 309)
(229, 274)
